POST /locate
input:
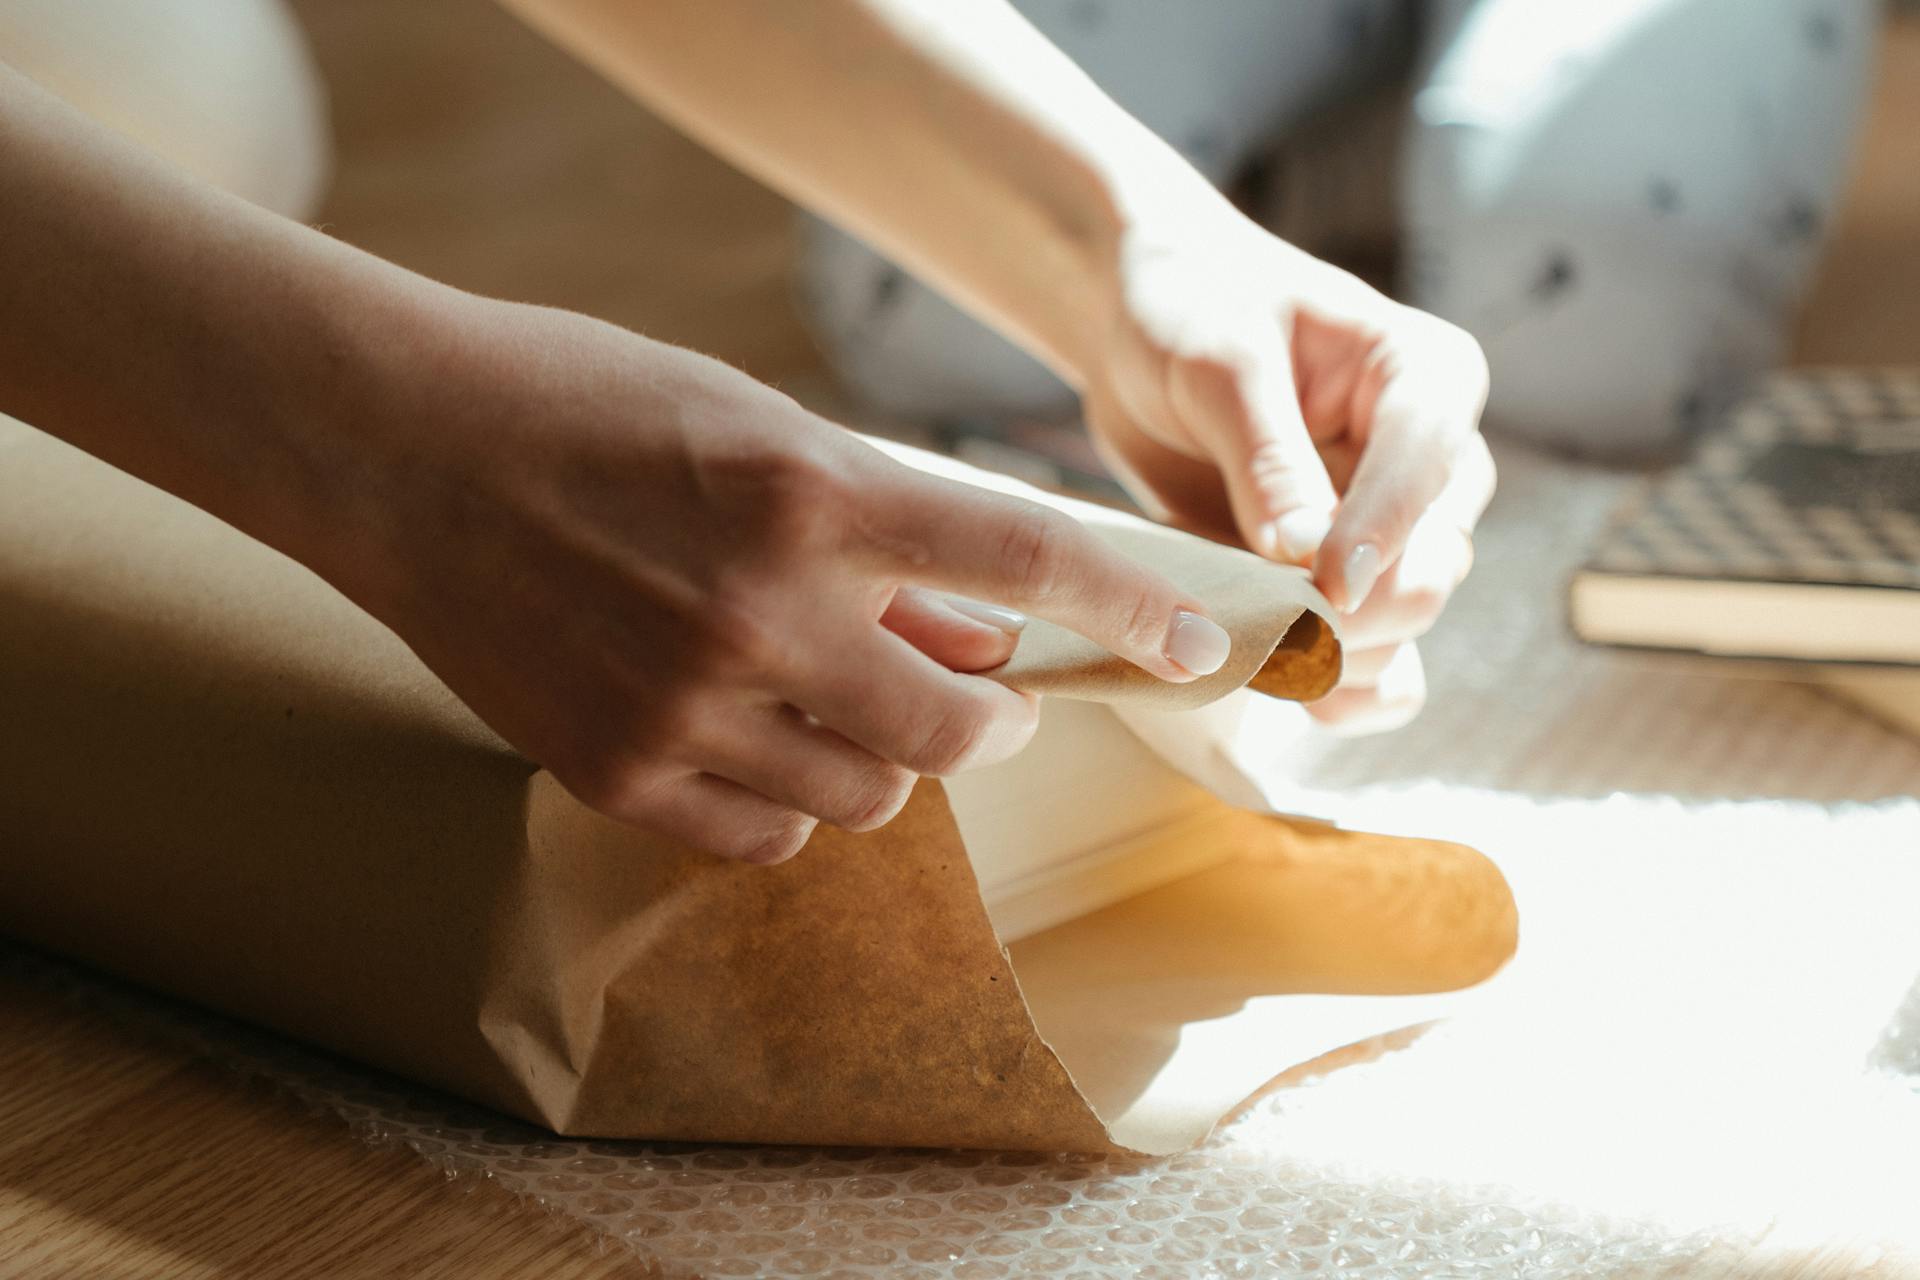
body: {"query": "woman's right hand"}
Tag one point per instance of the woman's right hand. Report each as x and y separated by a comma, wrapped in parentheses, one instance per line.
(707, 611)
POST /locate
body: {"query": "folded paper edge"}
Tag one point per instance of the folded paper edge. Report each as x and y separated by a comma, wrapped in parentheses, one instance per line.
(1285, 635)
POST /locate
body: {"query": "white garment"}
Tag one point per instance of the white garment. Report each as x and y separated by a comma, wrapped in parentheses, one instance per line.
(223, 88)
(1621, 200)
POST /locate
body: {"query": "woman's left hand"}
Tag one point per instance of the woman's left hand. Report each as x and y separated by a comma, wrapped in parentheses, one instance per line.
(1249, 391)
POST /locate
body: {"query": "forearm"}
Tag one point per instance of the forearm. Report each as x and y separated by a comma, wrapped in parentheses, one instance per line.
(182, 334)
(952, 136)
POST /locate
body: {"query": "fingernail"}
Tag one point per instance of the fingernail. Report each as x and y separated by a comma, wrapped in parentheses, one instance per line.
(1197, 644)
(1011, 621)
(1363, 570)
(1299, 533)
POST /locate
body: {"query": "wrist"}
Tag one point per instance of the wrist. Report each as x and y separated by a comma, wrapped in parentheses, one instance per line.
(1158, 211)
(1135, 190)
(350, 423)
(1058, 281)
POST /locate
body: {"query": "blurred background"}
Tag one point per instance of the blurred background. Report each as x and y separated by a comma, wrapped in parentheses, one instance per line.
(1649, 203)
(465, 147)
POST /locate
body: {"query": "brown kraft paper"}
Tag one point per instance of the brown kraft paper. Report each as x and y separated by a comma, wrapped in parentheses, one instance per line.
(220, 778)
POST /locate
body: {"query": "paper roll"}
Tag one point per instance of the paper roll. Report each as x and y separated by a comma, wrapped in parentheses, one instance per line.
(220, 778)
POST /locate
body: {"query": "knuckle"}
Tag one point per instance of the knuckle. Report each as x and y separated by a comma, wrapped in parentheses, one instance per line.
(1422, 607)
(781, 840)
(1475, 454)
(1450, 463)
(1399, 711)
(1145, 624)
(954, 736)
(738, 629)
(1464, 566)
(666, 723)
(1462, 353)
(1334, 708)
(1035, 551)
(880, 796)
(800, 498)
(980, 650)
(1209, 363)
(611, 783)
(1475, 476)
(763, 476)
(1404, 684)
(1270, 461)
(1473, 358)
(1013, 729)
(780, 501)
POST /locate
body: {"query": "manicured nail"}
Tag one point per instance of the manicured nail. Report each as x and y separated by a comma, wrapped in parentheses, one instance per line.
(1011, 621)
(1298, 534)
(1363, 570)
(1197, 644)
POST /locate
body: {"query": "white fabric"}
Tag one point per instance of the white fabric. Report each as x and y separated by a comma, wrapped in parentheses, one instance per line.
(1621, 200)
(223, 88)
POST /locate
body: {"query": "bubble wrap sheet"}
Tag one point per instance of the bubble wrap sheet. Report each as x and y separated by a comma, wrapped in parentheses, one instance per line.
(1705, 1055)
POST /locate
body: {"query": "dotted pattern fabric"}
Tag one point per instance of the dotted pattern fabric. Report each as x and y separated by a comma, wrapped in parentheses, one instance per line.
(1707, 1051)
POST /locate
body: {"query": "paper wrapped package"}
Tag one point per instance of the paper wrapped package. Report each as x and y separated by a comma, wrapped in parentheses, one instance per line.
(221, 779)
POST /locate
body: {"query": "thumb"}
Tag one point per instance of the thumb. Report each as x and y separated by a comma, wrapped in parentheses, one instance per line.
(957, 633)
(1246, 415)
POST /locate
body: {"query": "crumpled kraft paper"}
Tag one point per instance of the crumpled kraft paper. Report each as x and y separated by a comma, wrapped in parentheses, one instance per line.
(220, 778)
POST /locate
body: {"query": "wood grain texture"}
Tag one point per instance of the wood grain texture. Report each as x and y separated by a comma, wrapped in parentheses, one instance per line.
(121, 1155)
(1865, 307)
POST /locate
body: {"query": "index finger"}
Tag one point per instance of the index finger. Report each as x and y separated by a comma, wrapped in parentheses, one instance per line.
(993, 546)
(1421, 433)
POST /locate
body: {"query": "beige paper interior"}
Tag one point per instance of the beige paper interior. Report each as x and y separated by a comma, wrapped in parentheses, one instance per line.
(219, 778)
(1191, 946)
(1284, 643)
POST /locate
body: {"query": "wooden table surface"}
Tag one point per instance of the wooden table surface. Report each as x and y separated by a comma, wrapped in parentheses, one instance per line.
(121, 1155)
(125, 1155)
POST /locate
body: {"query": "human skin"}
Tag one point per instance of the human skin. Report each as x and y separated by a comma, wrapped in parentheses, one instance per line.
(706, 610)
(1237, 385)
